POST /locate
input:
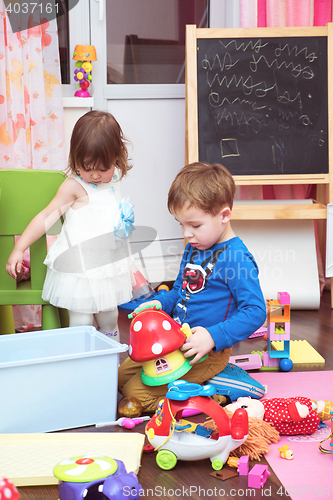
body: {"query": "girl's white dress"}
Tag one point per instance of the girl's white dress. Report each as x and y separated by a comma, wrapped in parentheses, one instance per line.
(90, 269)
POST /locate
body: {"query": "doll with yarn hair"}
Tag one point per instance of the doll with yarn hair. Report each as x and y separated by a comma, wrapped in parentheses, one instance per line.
(290, 416)
(270, 418)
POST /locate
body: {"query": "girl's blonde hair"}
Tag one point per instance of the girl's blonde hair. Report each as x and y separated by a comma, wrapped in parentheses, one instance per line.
(202, 185)
(98, 142)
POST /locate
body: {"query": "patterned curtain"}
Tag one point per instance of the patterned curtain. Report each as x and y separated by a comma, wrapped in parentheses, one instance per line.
(31, 111)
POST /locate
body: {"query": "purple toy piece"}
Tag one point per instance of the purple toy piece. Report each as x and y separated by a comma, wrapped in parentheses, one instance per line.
(258, 476)
(117, 486)
(243, 465)
(123, 486)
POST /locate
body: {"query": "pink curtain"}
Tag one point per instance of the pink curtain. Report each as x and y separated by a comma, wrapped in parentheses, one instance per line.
(32, 133)
(283, 13)
(31, 110)
(280, 13)
(293, 13)
(322, 12)
(276, 13)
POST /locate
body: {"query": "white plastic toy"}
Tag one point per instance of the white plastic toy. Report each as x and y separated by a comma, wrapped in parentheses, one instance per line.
(175, 438)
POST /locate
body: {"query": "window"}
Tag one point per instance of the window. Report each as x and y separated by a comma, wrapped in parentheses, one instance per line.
(63, 35)
(145, 39)
(148, 44)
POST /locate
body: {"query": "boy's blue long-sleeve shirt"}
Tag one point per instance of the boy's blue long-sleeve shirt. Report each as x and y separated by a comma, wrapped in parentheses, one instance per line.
(229, 303)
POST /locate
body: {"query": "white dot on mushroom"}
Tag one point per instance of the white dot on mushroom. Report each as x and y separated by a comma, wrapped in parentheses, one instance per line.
(137, 326)
(166, 325)
(156, 348)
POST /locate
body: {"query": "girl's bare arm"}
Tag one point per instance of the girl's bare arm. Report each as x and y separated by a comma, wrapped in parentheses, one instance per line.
(67, 193)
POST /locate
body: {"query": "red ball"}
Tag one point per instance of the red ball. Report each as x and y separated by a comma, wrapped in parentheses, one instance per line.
(84, 85)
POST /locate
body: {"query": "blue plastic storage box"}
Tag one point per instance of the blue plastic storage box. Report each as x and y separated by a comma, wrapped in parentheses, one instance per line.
(57, 379)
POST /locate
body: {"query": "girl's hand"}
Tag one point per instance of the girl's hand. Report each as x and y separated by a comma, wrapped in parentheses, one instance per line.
(68, 192)
(14, 263)
(198, 344)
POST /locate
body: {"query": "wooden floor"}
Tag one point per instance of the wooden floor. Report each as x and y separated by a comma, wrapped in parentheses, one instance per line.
(192, 479)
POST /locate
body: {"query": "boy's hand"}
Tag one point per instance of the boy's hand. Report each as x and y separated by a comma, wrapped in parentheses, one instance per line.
(198, 344)
(14, 263)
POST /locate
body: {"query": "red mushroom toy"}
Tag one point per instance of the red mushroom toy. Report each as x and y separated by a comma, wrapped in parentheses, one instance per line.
(155, 340)
(7, 490)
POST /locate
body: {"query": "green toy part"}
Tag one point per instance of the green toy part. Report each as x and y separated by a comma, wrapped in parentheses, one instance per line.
(217, 464)
(166, 459)
(82, 469)
(144, 306)
(169, 376)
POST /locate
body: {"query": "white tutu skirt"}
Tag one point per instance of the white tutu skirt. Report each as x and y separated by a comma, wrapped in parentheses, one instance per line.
(88, 276)
(87, 295)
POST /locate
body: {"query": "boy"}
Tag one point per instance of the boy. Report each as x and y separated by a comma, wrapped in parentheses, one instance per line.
(217, 290)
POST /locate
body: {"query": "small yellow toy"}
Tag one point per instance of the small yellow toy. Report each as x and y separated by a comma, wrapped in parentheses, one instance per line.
(233, 462)
(286, 453)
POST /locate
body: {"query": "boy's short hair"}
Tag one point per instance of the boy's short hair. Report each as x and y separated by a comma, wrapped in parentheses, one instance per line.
(202, 185)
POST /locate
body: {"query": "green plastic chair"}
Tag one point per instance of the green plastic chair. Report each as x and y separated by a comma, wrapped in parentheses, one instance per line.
(24, 193)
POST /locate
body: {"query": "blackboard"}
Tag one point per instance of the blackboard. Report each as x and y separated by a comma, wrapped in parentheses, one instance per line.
(262, 103)
(259, 101)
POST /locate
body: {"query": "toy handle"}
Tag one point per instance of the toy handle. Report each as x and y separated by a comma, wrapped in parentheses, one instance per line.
(185, 328)
(101, 10)
(130, 423)
(142, 307)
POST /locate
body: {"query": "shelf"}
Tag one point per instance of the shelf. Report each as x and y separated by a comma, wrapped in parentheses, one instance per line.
(271, 211)
(78, 102)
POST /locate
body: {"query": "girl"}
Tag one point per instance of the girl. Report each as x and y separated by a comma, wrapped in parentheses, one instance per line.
(89, 266)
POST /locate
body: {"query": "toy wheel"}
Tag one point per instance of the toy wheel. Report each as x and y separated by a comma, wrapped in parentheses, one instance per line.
(217, 464)
(166, 459)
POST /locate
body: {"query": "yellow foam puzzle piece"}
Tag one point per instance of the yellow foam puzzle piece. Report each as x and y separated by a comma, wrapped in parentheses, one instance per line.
(29, 459)
(301, 352)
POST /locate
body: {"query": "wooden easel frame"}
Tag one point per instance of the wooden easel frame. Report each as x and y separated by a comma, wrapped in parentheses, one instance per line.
(318, 209)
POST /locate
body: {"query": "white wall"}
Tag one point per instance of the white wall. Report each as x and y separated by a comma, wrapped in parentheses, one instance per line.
(158, 138)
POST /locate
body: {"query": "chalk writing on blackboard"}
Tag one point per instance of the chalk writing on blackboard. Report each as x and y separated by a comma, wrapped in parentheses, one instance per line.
(263, 104)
